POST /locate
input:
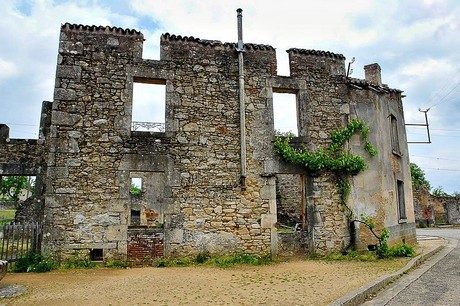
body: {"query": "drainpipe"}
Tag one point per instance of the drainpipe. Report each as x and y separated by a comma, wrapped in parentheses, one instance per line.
(240, 49)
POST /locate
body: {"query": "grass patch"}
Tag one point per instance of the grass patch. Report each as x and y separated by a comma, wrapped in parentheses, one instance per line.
(223, 261)
(7, 216)
(115, 263)
(399, 250)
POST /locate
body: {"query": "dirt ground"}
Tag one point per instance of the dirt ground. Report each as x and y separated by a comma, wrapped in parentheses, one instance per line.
(297, 282)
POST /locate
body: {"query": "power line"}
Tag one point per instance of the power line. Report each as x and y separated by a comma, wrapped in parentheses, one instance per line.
(440, 169)
(440, 158)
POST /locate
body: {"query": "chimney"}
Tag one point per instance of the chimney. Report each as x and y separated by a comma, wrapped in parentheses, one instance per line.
(372, 74)
(4, 133)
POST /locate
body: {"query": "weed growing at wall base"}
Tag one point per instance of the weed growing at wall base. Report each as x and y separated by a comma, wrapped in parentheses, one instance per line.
(224, 261)
(33, 262)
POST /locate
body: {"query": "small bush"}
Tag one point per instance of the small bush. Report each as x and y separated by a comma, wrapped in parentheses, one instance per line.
(401, 250)
(174, 262)
(202, 257)
(421, 224)
(115, 263)
(33, 262)
(78, 260)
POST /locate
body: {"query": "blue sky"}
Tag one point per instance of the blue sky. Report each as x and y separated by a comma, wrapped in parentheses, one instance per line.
(414, 41)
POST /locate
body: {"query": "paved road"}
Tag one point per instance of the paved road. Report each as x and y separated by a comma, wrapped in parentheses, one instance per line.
(436, 282)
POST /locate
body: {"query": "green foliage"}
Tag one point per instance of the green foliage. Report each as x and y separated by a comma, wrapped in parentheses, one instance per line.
(224, 261)
(401, 250)
(33, 262)
(175, 262)
(115, 263)
(368, 221)
(134, 190)
(12, 186)
(439, 192)
(382, 248)
(202, 257)
(239, 259)
(333, 158)
(352, 256)
(79, 260)
(418, 177)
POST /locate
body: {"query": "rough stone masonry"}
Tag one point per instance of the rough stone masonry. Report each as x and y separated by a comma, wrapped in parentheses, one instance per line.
(192, 198)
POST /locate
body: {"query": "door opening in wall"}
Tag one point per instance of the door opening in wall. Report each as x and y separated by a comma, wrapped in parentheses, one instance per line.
(149, 101)
(285, 112)
(290, 202)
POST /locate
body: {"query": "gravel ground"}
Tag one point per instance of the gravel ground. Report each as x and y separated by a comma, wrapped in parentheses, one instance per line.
(296, 282)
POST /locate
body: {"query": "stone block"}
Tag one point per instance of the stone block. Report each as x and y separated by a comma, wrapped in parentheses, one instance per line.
(63, 118)
(268, 220)
(57, 172)
(68, 72)
(64, 94)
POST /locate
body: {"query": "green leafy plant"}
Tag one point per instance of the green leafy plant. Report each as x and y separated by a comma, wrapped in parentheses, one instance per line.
(33, 262)
(223, 261)
(332, 158)
(401, 250)
(79, 259)
(134, 190)
(115, 263)
(418, 177)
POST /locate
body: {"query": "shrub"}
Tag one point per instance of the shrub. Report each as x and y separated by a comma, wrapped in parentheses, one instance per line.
(115, 263)
(33, 262)
(78, 260)
(401, 250)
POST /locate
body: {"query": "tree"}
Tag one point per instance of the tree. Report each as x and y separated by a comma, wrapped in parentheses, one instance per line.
(418, 177)
(12, 186)
(439, 192)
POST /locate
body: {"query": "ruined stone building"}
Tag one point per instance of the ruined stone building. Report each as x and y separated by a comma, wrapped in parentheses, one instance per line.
(205, 185)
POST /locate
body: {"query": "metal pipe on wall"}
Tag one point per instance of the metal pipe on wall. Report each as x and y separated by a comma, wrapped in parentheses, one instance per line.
(240, 49)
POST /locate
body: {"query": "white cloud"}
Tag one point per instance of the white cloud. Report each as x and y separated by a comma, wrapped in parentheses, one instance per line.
(7, 69)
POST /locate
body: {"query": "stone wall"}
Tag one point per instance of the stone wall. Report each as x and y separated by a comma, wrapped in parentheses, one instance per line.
(194, 191)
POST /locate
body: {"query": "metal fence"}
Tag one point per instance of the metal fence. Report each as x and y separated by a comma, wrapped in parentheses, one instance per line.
(19, 239)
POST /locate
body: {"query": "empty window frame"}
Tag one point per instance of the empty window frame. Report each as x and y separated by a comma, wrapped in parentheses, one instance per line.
(401, 200)
(285, 112)
(96, 254)
(394, 135)
(136, 186)
(149, 102)
(135, 218)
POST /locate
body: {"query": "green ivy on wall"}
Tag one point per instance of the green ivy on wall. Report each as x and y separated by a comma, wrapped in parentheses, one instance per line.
(333, 158)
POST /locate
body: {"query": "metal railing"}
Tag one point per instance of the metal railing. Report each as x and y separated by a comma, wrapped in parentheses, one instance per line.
(148, 126)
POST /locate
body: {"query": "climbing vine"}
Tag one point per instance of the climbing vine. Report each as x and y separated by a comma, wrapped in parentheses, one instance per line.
(334, 158)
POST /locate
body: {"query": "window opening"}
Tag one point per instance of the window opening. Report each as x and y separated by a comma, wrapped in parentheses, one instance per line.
(394, 135)
(285, 112)
(401, 201)
(136, 186)
(96, 254)
(149, 101)
(16, 188)
(135, 217)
